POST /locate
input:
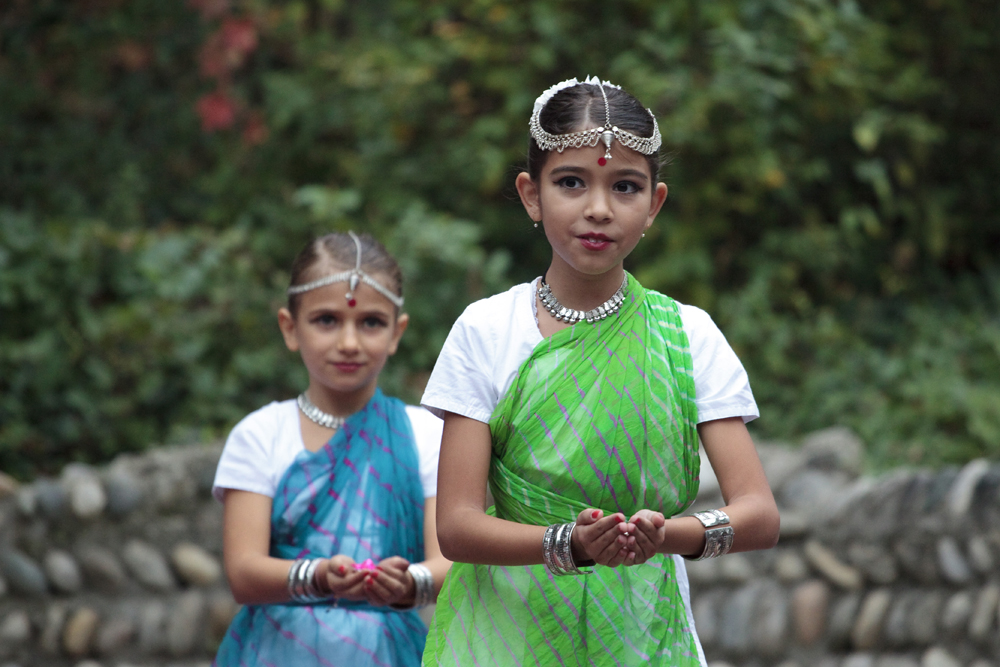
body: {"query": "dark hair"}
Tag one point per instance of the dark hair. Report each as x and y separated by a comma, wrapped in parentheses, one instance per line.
(571, 109)
(338, 251)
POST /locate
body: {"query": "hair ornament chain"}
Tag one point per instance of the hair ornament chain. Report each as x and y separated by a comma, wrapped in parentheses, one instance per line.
(604, 134)
(352, 278)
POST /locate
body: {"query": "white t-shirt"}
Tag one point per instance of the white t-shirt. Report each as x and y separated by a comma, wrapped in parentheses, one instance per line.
(262, 446)
(494, 336)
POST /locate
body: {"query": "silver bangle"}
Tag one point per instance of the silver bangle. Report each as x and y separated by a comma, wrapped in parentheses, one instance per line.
(302, 586)
(718, 534)
(423, 584)
(557, 550)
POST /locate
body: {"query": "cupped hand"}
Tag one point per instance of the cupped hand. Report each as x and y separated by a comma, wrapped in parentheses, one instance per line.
(339, 577)
(606, 540)
(650, 532)
(389, 583)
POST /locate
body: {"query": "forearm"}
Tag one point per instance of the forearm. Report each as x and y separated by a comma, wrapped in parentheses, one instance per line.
(257, 579)
(754, 522)
(470, 535)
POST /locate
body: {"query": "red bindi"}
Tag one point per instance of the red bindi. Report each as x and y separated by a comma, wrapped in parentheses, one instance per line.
(352, 302)
(602, 161)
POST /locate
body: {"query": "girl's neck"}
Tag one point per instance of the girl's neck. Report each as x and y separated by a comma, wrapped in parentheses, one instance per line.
(338, 403)
(582, 291)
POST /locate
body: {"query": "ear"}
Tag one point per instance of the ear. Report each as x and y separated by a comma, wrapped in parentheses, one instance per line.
(287, 325)
(530, 196)
(656, 202)
(402, 322)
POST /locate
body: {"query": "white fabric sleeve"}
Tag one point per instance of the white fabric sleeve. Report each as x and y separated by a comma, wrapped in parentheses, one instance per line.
(722, 388)
(461, 381)
(244, 464)
(427, 429)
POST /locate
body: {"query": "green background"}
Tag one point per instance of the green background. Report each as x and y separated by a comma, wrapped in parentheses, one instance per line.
(834, 199)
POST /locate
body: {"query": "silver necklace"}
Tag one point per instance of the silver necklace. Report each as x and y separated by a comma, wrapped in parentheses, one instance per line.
(324, 419)
(572, 316)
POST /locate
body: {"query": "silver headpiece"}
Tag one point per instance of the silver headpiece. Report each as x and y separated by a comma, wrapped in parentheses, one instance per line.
(352, 278)
(604, 134)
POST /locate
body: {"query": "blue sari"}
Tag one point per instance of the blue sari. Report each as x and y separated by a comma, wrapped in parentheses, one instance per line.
(360, 496)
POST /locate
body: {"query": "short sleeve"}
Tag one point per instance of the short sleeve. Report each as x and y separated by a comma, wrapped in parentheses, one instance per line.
(427, 430)
(244, 464)
(722, 388)
(461, 381)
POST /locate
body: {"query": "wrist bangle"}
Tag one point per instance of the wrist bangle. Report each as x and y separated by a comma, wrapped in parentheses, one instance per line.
(557, 550)
(718, 534)
(423, 584)
(302, 586)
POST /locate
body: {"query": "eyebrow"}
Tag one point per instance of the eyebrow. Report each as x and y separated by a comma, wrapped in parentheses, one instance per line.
(628, 171)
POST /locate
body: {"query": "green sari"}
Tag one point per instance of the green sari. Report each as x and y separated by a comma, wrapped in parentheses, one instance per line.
(600, 415)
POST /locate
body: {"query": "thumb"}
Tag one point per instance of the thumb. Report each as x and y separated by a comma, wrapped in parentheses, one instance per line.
(589, 516)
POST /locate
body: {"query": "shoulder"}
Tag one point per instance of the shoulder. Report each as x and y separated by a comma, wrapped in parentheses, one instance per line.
(494, 313)
(264, 421)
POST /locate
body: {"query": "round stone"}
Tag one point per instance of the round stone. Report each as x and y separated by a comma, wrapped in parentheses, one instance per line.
(22, 573)
(148, 566)
(15, 629)
(868, 625)
(964, 487)
(831, 567)
(195, 565)
(938, 656)
(101, 567)
(79, 631)
(957, 611)
(954, 568)
(86, 495)
(810, 606)
(834, 448)
(125, 491)
(63, 572)
(982, 623)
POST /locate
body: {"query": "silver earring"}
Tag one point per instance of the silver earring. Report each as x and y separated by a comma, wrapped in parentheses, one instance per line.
(644, 235)
(536, 225)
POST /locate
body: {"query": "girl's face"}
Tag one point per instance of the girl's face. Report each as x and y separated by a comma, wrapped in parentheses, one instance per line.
(343, 348)
(593, 216)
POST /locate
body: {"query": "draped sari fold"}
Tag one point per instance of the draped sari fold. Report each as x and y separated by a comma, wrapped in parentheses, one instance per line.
(599, 415)
(360, 496)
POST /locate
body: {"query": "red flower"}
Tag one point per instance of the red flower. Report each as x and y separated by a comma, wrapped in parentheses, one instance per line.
(217, 111)
(239, 35)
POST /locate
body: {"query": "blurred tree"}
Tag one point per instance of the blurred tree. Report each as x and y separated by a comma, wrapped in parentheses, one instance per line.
(833, 199)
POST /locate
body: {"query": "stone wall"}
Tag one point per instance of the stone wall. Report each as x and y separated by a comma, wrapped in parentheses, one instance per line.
(120, 566)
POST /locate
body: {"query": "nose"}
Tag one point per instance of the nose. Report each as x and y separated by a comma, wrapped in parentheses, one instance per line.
(598, 207)
(347, 342)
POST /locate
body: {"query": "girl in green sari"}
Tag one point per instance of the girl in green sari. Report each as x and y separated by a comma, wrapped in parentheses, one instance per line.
(580, 399)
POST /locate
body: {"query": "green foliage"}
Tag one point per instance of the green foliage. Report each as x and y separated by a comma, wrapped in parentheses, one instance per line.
(833, 200)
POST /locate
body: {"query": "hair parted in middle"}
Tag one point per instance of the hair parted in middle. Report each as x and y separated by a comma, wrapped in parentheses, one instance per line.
(337, 251)
(577, 107)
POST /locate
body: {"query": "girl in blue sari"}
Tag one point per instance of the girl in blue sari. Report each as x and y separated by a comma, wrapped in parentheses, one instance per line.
(328, 533)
